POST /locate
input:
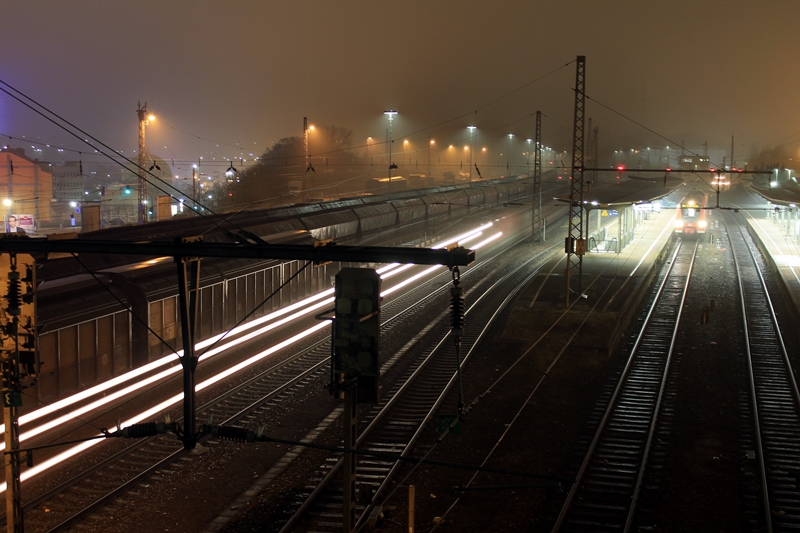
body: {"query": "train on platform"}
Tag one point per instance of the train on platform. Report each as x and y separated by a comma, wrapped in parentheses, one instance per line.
(691, 218)
(101, 315)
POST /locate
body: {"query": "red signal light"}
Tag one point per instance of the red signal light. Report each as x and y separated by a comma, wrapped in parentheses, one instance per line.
(668, 169)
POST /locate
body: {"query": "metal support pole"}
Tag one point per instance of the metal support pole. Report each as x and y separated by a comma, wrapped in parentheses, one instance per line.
(537, 234)
(12, 399)
(430, 173)
(194, 188)
(411, 503)
(14, 521)
(188, 286)
(390, 113)
(142, 188)
(575, 237)
(350, 459)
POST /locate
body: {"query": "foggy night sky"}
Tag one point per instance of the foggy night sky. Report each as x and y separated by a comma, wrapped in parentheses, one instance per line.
(247, 72)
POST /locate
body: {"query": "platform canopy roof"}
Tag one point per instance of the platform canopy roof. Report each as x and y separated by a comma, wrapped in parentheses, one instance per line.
(788, 196)
(627, 192)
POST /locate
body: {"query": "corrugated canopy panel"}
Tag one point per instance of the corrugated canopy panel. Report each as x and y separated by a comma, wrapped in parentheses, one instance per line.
(626, 192)
(779, 195)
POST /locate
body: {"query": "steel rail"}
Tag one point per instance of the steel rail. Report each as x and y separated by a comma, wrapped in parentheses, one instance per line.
(633, 409)
(773, 392)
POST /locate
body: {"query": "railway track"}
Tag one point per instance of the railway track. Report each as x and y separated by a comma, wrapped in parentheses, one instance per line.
(394, 425)
(610, 478)
(91, 490)
(774, 399)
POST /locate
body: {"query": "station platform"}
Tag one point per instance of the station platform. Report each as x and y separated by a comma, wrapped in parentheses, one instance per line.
(612, 286)
(782, 250)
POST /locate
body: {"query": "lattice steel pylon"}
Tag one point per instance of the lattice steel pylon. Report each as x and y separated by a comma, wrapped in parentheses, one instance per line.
(536, 209)
(141, 213)
(575, 244)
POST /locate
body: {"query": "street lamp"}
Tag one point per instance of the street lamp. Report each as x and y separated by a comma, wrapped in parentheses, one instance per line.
(529, 155)
(431, 142)
(471, 129)
(194, 187)
(306, 128)
(390, 113)
(144, 120)
(508, 163)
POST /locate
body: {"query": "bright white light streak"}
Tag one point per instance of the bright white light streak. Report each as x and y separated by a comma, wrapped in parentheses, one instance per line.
(432, 269)
(164, 374)
(97, 389)
(460, 238)
(153, 411)
(487, 241)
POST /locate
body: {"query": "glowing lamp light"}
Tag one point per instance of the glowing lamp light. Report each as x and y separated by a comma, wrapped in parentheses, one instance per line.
(702, 224)
(679, 223)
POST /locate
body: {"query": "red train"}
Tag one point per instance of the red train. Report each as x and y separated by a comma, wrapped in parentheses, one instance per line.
(691, 217)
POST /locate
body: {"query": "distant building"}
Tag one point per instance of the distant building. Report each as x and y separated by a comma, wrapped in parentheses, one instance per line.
(26, 185)
(68, 181)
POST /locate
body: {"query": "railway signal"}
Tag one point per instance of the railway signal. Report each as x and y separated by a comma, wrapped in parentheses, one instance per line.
(356, 334)
(18, 357)
(356, 362)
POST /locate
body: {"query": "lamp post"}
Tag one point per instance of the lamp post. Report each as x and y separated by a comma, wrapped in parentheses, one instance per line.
(306, 128)
(471, 129)
(144, 120)
(390, 113)
(529, 155)
(508, 164)
(431, 142)
(194, 188)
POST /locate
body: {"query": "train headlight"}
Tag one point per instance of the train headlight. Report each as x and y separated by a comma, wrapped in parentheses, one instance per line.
(702, 224)
(679, 223)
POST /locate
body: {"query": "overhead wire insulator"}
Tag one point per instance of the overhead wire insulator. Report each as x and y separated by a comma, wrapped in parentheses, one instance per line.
(13, 295)
(457, 310)
(138, 431)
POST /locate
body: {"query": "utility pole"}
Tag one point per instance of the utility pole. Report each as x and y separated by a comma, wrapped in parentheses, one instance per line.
(590, 163)
(142, 189)
(471, 148)
(188, 287)
(537, 234)
(430, 145)
(390, 113)
(574, 243)
(594, 149)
